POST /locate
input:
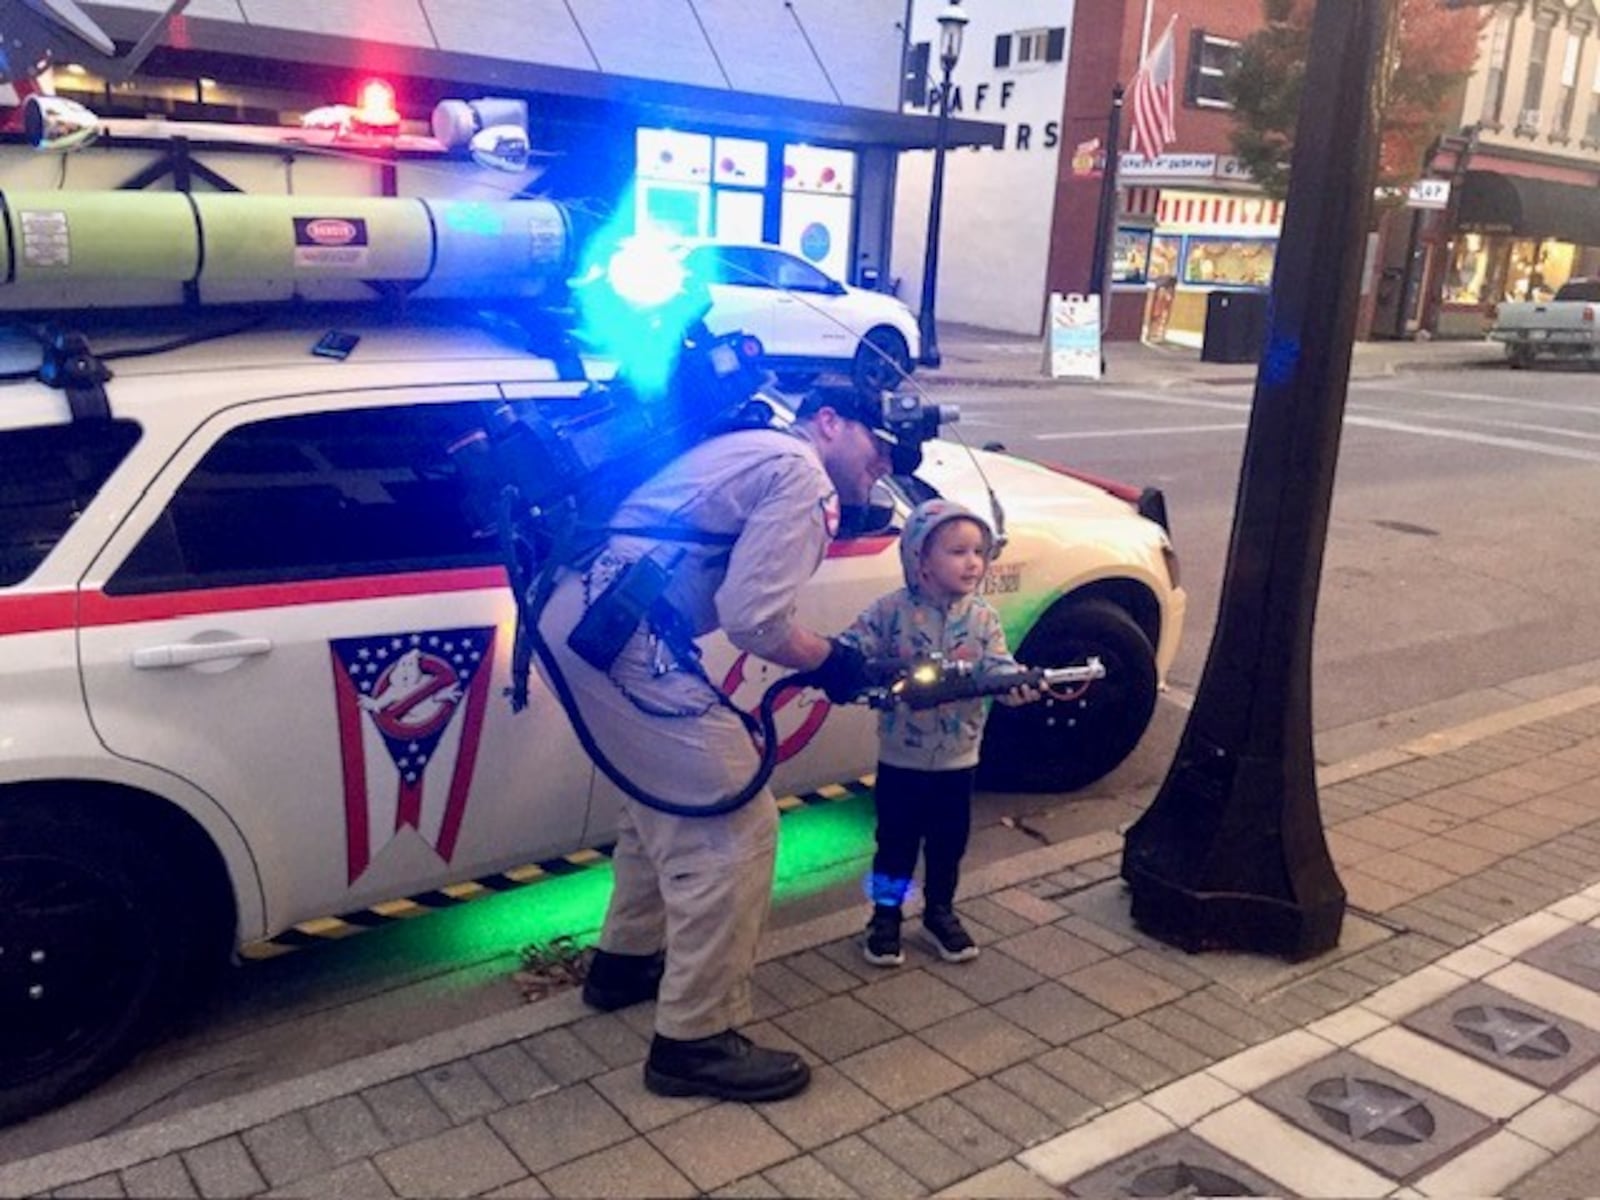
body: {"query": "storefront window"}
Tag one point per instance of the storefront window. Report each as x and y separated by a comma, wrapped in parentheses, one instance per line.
(818, 206)
(691, 185)
(1466, 282)
(1522, 280)
(1130, 261)
(1165, 251)
(1229, 262)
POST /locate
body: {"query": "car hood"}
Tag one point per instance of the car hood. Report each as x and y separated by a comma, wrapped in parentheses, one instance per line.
(1024, 488)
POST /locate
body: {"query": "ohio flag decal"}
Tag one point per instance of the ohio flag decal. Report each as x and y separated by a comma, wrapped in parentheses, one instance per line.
(410, 715)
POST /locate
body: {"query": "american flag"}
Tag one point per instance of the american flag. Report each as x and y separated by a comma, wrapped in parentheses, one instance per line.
(1153, 97)
(410, 711)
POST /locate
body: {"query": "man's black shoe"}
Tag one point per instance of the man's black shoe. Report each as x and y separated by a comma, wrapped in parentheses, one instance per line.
(618, 980)
(726, 1065)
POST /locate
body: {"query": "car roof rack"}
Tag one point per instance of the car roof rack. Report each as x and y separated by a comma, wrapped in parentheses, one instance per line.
(71, 365)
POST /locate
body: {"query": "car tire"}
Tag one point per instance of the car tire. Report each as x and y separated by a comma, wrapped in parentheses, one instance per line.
(883, 361)
(1062, 745)
(1520, 358)
(95, 949)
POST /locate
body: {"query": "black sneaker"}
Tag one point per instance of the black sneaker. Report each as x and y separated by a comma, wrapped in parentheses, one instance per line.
(726, 1065)
(949, 936)
(617, 980)
(882, 948)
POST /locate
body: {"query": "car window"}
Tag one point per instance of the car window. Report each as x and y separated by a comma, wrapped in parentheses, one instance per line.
(795, 276)
(1580, 289)
(317, 496)
(731, 265)
(48, 475)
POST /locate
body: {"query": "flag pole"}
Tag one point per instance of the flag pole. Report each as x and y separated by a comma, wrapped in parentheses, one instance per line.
(1144, 34)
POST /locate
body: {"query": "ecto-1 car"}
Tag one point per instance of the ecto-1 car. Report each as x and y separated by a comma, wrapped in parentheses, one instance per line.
(254, 649)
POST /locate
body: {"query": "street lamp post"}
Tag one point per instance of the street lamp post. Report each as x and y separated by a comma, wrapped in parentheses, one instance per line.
(952, 24)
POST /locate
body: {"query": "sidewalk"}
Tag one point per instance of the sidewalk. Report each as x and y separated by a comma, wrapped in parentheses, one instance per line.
(1450, 1046)
(974, 357)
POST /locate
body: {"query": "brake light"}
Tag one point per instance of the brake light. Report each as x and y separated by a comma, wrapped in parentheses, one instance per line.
(1588, 314)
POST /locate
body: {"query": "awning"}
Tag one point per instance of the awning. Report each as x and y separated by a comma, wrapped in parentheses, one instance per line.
(1537, 208)
(231, 49)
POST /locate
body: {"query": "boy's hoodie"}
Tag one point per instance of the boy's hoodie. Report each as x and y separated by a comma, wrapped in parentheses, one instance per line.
(910, 624)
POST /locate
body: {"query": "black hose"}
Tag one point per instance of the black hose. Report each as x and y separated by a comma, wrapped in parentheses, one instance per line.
(717, 808)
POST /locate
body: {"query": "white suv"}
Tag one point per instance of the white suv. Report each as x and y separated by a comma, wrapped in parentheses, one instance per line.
(253, 651)
(806, 321)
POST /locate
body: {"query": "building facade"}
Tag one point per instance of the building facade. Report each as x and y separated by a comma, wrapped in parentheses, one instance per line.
(1020, 219)
(1523, 214)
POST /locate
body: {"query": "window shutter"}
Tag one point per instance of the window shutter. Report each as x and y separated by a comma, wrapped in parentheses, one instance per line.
(1056, 45)
(916, 85)
(1197, 56)
(1002, 50)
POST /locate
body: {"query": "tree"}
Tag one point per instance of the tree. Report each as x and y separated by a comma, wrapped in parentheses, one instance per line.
(1431, 52)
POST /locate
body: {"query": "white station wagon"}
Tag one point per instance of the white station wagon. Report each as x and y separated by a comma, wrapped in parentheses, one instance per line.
(253, 655)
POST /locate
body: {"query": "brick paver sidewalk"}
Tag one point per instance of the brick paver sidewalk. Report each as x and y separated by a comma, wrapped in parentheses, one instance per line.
(1449, 1046)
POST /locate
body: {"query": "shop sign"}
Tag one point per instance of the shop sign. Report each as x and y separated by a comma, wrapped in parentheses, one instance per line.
(1168, 166)
(1086, 159)
(1429, 193)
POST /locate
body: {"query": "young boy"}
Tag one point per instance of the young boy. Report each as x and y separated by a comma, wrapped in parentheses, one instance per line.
(927, 760)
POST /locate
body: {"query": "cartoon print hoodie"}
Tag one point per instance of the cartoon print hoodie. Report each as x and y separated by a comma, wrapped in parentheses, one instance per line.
(912, 624)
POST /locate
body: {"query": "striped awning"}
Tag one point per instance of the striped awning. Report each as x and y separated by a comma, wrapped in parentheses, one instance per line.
(1215, 211)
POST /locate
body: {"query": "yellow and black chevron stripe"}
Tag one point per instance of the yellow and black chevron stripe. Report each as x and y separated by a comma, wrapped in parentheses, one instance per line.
(333, 929)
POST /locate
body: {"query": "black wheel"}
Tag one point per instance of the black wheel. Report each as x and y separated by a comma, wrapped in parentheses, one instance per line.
(1520, 358)
(91, 950)
(883, 360)
(1059, 745)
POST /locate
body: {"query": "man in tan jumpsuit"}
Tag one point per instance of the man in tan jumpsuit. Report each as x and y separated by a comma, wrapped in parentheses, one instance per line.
(699, 887)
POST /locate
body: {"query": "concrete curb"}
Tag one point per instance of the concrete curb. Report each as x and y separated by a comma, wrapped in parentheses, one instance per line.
(222, 1118)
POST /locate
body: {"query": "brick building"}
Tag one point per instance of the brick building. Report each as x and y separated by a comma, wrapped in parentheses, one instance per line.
(1019, 220)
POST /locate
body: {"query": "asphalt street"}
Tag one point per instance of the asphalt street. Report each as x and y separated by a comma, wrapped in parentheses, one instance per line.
(1458, 553)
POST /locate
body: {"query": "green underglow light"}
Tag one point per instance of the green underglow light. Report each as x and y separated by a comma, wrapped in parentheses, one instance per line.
(819, 847)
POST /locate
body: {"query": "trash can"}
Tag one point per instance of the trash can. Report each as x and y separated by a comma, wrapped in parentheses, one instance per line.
(1236, 327)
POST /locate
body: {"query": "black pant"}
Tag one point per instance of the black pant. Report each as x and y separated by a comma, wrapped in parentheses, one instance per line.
(930, 811)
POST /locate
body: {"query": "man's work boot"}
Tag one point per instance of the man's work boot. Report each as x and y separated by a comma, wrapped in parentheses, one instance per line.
(726, 1065)
(618, 980)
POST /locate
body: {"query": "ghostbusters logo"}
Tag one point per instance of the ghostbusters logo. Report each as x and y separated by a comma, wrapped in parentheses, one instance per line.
(799, 713)
(414, 696)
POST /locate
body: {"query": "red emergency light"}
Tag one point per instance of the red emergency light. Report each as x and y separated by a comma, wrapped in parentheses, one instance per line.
(375, 107)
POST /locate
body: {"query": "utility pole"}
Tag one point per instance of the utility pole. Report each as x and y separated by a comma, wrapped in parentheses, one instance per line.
(1231, 854)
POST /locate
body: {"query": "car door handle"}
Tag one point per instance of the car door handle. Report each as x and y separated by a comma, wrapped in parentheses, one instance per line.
(184, 654)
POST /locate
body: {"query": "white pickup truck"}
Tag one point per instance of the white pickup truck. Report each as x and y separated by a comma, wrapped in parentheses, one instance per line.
(1566, 327)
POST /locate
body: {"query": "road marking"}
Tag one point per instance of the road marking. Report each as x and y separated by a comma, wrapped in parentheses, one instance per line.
(1552, 430)
(1476, 398)
(1159, 429)
(1393, 426)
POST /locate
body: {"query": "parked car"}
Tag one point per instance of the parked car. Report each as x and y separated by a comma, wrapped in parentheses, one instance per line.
(805, 320)
(253, 652)
(1567, 327)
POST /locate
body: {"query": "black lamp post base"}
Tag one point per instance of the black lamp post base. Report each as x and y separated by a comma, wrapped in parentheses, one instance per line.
(1235, 860)
(1196, 921)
